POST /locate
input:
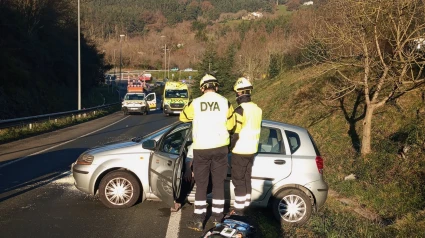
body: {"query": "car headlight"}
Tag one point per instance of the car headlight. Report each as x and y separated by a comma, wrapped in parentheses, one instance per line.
(85, 159)
(166, 103)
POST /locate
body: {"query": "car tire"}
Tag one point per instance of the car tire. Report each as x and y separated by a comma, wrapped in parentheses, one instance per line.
(128, 185)
(299, 203)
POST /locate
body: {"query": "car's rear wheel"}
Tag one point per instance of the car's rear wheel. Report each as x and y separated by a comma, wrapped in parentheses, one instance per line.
(119, 189)
(292, 207)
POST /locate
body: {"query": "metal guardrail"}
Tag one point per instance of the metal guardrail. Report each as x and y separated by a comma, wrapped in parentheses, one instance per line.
(27, 120)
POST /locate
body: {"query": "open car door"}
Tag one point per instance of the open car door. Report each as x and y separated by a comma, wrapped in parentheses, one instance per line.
(151, 100)
(165, 169)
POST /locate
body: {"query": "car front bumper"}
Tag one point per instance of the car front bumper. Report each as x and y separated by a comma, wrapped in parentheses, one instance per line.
(83, 175)
(140, 109)
(169, 110)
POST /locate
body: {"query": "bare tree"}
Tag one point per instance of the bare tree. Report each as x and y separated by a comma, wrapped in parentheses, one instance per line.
(376, 46)
(253, 55)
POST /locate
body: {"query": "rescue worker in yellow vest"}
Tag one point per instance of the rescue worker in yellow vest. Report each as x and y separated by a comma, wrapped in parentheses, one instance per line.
(212, 118)
(244, 144)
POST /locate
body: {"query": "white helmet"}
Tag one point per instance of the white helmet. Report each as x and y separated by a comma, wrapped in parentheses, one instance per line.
(243, 85)
(208, 81)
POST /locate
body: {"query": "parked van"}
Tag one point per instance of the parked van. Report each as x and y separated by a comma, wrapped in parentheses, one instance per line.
(176, 95)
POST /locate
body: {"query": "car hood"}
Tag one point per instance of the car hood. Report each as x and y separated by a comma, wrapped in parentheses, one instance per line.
(118, 148)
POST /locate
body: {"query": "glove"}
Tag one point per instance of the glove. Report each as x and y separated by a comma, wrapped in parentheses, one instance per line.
(187, 174)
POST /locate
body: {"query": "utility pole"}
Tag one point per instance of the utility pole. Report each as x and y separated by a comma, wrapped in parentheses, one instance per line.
(115, 65)
(79, 59)
(165, 61)
(119, 84)
(169, 56)
(115, 73)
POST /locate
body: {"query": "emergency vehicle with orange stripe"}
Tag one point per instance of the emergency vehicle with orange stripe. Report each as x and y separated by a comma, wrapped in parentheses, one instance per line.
(137, 99)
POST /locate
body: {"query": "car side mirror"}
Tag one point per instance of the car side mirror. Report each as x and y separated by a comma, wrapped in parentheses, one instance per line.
(149, 144)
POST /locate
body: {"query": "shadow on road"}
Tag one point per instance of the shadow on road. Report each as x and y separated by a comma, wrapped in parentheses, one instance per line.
(88, 136)
(35, 171)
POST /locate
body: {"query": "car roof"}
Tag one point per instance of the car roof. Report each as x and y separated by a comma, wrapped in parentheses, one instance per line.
(285, 125)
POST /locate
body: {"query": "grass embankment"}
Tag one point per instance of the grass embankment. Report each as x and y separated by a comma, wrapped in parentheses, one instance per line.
(98, 96)
(388, 184)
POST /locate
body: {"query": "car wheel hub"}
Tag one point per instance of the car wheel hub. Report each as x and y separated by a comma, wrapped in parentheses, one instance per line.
(292, 208)
(119, 191)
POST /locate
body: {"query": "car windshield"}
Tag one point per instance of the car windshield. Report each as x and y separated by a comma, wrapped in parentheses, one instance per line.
(176, 93)
(134, 97)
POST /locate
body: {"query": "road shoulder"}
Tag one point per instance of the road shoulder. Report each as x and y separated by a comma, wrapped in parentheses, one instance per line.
(30, 145)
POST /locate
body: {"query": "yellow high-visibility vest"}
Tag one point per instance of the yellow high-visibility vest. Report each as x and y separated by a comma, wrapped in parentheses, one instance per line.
(248, 125)
(212, 118)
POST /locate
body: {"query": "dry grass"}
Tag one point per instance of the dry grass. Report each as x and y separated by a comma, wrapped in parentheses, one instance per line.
(388, 184)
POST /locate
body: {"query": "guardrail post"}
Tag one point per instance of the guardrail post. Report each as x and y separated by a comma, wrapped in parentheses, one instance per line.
(30, 126)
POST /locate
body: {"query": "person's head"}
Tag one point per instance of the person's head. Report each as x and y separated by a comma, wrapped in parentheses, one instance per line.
(208, 84)
(242, 87)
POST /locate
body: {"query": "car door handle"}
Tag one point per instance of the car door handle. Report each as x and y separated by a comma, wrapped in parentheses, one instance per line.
(279, 161)
(170, 162)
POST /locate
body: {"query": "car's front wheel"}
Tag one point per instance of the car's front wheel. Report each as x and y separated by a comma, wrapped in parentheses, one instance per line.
(119, 189)
(292, 207)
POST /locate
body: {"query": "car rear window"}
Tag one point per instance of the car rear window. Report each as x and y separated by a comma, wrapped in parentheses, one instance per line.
(316, 149)
(294, 140)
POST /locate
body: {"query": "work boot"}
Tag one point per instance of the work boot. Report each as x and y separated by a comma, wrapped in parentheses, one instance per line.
(235, 213)
(196, 223)
(216, 218)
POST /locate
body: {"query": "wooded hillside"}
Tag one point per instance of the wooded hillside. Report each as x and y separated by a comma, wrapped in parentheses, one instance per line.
(39, 58)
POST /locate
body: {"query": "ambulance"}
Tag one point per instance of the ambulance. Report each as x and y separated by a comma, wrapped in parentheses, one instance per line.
(175, 97)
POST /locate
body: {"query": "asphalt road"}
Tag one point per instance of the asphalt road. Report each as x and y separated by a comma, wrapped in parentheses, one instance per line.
(38, 198)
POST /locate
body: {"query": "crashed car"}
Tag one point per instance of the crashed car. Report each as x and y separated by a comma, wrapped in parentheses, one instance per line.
(287, 173)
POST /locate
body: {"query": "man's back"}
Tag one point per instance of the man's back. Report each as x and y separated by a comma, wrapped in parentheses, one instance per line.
(249, 117)
(209, 114)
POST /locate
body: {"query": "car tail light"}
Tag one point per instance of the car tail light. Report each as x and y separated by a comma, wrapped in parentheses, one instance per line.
(319, 163)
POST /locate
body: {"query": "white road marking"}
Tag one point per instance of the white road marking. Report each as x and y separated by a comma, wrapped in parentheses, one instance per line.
(63, 143)
(174, 225)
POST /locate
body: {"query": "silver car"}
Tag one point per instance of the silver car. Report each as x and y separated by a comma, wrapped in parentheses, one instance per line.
(287, 174)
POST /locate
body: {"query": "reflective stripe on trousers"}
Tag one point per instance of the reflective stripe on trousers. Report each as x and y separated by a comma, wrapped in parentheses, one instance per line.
(208, 161)
(241, 179)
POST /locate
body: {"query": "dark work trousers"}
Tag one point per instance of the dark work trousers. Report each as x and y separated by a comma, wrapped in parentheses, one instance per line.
(241, 179)
(206, 162)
